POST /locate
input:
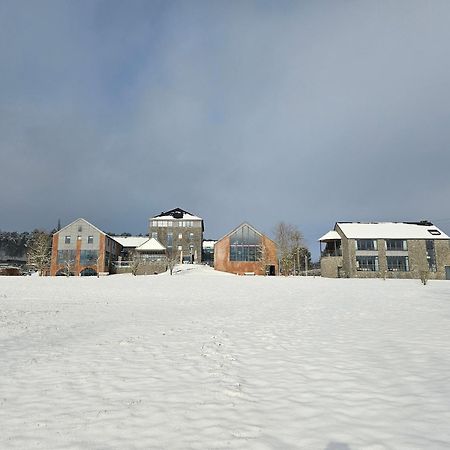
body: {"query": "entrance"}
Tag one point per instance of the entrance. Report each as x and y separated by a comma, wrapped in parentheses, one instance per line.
(447, 272)
(270, 270)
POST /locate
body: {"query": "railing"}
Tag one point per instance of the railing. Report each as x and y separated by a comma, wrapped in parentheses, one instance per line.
(140, 261)
(326, 253)
(122, 264)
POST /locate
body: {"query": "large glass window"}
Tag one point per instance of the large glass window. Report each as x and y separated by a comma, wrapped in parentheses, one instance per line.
(66, 256)
(367, 263)
(366, 244)
(169, 240)
(431, 256)
(397, 263)
(245, 245)
(396, 244)
(88, 257)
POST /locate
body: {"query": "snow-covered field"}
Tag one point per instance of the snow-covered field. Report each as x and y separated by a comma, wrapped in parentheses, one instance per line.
(206, 360)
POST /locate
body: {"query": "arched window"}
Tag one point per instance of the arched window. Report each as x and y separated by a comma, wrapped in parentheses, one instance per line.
(63, 273)
(245, 244)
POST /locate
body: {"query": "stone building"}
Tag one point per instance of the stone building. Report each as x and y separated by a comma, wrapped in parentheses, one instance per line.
(180, 232)
(80, 248)
(246, 251)
(385, 249)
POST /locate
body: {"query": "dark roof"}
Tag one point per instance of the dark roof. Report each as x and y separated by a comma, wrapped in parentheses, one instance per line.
(176, 213)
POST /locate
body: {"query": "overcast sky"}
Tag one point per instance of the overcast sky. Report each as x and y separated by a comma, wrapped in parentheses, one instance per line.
(303, 111)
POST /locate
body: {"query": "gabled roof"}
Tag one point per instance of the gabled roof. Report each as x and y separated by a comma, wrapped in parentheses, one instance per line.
(130, 241)
(85, 221)
(330, 236)
(151, 244)
(250, 226)
(177, 213)
(391, 230)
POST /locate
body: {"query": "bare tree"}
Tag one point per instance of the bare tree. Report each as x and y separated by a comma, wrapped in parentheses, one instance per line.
(68, 266)
(291, 249)
(173, 258)
(39, 251)
(135, 264)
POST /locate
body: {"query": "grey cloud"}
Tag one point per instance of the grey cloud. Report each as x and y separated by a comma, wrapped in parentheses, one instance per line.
(306, 112)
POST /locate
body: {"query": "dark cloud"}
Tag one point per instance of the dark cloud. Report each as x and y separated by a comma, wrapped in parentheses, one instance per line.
(259, 111)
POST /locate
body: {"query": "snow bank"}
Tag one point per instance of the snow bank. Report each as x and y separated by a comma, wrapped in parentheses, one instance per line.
(207, 360)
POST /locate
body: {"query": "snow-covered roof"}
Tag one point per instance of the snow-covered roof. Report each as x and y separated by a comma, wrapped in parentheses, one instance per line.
(177, 214)
(151, 244)
(185, 217)
(209, 243)
(391, 230)
(330, 236)
(130, 241)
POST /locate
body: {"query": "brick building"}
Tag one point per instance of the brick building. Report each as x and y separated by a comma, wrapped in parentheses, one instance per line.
(245, 250)
(180, 232)
(387, 249)
(80, 248)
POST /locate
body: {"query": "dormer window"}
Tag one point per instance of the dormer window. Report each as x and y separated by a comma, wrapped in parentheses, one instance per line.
(434, 232)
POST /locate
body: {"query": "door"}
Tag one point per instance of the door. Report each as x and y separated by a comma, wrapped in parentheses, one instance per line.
(447, 272)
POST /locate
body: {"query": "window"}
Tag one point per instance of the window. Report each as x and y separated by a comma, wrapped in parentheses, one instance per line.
(67, 240)
(396, 244)
(66, 256)
(434, 232)
(245, 245)
(431, 256)
(367, 263)
(169, 240)
(90, 239)
(366, 244)
(180, 247)
(180, 235)
(397, 263)
(154, 235)
(88, 257)
(191, 236)
(80, 228)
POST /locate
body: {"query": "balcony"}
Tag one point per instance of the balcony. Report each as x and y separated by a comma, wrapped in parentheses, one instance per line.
(331, 253)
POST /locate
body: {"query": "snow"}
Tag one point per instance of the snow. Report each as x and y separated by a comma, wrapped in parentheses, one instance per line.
(186, 216)
(151, 244)
(208, 360)
(389, 230)
(208, 244)
(330, 236)
(130, 241)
